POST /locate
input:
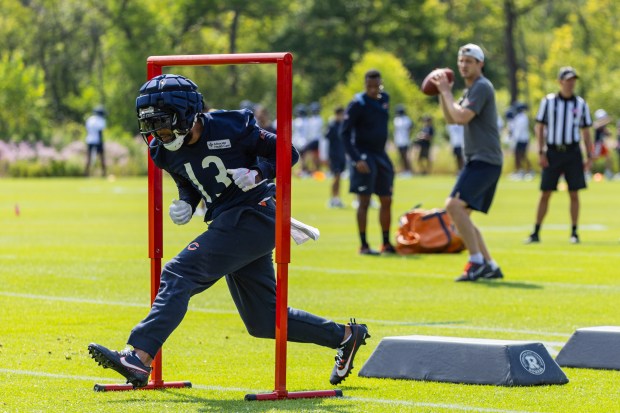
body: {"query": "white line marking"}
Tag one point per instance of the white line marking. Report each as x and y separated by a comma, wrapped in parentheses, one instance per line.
(450, 325)
(102, 302)
(55, 376)
(446, 406)
(457, 326)
(605, 287)
(553, 227)
(392, 402)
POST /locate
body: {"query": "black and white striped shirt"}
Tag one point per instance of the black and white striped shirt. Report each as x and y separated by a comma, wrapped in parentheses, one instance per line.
(563, 118)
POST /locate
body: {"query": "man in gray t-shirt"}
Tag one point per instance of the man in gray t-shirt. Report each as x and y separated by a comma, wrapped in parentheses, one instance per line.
(475, 186)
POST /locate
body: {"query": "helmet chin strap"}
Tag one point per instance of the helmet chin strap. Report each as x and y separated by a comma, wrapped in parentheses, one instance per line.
(177, 142)
(181, 137)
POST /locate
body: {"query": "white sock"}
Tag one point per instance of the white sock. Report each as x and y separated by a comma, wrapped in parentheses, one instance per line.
(477, 258)
(493, 265)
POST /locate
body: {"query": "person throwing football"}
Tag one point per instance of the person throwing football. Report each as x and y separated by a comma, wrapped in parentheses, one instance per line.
(475, 186)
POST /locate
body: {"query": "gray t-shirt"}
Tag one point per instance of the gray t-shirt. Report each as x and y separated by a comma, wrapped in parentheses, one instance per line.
(481, 137)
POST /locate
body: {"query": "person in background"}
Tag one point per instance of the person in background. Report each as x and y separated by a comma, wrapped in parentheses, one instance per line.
(601, 120)
(520, 136)
(403, 126)
(315, 135)
(95, 124)
(300, 136)
(337, 156)
(559, 137)
(424, 141)
(455, 132)
(364, 134)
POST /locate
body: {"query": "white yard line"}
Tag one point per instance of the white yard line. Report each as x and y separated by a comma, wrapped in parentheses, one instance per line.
(571, 286)
(105, 302)
(438, 325)
(389, 402)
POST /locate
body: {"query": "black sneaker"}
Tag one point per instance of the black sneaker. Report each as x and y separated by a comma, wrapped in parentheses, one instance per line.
(366, 250)
(474, 271)
(346, 352)
(574, 239)
(532, 239)
(388, 249)
(494, 274)
(125, 362)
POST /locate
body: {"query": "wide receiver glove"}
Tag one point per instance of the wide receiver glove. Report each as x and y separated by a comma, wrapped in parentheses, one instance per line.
(180, 212)
(245, 178)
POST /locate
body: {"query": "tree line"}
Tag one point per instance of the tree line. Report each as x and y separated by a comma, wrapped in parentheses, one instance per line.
(59, 59)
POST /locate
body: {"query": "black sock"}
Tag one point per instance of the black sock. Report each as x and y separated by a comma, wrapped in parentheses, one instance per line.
(386, 237)
(536, 229)
(574, 230)
(363, 239)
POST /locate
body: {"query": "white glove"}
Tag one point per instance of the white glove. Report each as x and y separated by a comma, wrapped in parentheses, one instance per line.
(245, 178)
(301, 232)
(180, 212)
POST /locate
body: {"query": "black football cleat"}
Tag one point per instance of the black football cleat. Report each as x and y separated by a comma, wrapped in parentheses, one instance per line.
(532, 239)
(494, 274)
(124, 362)
(474, 271)
(388, 249)
(366, 250)
(346, 352)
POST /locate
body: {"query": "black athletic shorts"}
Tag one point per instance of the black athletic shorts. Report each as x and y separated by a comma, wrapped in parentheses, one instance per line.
(568, 163)
(476, 185)
(379, 181)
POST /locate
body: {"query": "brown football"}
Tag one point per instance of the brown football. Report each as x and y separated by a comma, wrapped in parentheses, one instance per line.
(429, 87)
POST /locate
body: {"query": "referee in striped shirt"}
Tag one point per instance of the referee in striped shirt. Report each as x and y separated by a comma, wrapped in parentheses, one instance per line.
(562, 121)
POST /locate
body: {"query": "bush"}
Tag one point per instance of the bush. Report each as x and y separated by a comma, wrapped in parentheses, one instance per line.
(23, 160)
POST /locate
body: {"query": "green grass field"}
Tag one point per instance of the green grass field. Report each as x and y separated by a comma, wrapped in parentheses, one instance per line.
(74, 269)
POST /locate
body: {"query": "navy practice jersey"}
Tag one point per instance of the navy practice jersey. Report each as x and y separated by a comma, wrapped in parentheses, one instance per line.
(365, 125)
(230, 140)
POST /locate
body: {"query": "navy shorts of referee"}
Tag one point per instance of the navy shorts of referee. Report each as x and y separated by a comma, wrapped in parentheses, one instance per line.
(563, 121)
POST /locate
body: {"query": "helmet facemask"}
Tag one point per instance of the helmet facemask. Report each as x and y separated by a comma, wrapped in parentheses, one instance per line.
(151, 120)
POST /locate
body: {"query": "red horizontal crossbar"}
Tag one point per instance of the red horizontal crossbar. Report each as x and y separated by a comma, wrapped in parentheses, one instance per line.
(294, 395)
(151, 386)
(219, 59)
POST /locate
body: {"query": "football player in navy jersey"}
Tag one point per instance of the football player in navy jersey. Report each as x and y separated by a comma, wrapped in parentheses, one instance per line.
(224, 158)
(364, 135)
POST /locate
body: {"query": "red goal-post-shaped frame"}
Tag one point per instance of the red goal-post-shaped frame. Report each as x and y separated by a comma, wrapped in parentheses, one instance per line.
(284, 62)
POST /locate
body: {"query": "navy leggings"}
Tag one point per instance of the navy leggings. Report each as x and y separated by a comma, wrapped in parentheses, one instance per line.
(238, 245)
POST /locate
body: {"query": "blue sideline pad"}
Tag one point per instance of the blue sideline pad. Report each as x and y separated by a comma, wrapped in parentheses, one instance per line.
(463, 360)
(592, 347)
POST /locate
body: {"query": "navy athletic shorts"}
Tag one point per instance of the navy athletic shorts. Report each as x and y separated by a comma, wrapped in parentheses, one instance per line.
(476, 185)
(379, 181)
(569, 163)
(521, 147)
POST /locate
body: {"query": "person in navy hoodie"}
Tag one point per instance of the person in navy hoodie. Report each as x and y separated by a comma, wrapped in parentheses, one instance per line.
(364, 135)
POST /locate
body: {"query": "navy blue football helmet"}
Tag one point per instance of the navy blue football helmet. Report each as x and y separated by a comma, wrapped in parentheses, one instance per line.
(315, 108)
(168, 102)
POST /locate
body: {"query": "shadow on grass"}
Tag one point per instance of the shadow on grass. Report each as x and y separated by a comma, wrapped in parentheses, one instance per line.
(206, 404)
(509, 284)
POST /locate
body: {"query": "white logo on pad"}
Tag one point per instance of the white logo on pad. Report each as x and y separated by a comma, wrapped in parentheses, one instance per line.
(221, 144)
(532, 362)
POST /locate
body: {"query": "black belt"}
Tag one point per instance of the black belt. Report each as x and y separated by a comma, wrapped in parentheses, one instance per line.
(564, 148)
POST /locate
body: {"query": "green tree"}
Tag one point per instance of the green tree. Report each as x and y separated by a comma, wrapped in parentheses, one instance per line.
(21, 99)
(396, 79)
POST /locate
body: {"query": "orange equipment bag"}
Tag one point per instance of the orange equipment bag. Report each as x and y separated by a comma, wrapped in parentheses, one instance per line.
(427, 231)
